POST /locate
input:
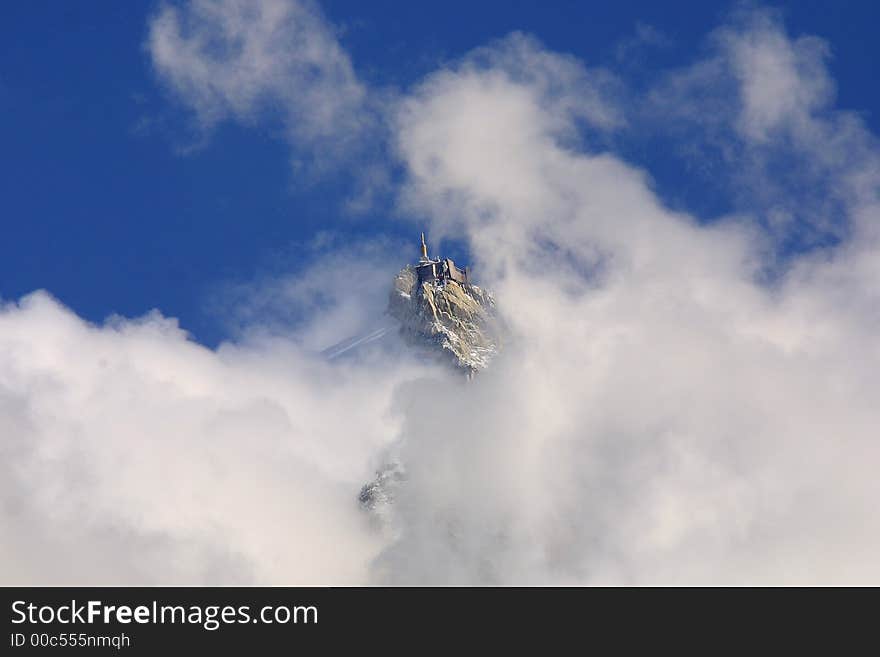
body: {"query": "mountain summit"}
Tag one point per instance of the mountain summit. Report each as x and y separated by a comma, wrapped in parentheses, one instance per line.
(441, 310)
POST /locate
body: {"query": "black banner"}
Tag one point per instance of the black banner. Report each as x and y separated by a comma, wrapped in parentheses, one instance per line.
(162, 620)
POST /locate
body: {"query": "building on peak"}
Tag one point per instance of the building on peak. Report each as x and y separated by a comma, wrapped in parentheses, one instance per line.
(438, 270)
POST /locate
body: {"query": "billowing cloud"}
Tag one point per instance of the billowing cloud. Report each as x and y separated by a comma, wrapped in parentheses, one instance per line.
(662, 413)
(131, 454)
(664, 416)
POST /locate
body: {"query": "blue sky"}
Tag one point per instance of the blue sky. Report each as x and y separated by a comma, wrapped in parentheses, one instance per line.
(115, 203)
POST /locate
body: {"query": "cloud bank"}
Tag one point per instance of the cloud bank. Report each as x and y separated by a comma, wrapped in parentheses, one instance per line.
(133, 454)
(665, 412)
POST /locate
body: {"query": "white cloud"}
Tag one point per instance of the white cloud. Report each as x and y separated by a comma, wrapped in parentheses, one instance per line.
(335, 296)
(132, 455)
(782, 81)
(245, 60)
(758, 113)
(755, 77)
(663, 417)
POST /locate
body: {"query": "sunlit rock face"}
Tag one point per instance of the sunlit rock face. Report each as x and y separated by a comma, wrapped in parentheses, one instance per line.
(458, 321)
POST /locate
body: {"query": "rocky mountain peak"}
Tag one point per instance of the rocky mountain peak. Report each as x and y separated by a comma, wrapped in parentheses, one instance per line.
(440, 310)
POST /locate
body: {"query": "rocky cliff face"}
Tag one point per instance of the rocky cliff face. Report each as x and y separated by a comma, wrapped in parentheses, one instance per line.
(457, 320)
